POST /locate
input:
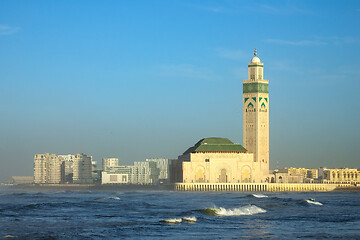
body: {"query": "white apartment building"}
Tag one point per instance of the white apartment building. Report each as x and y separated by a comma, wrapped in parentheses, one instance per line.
(114, 178)
(47, 168)
(53, 169)
(82, 169)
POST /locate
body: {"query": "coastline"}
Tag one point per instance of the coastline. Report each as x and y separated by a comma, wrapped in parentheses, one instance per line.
(126, 187)
(91, 187)
(348, 189)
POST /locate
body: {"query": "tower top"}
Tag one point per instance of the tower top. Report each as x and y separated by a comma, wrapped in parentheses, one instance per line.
(255, 59)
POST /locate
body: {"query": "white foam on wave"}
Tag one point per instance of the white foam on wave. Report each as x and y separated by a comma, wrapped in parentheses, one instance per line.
(313, 202)
(189, 219)
(259, 195)
(246, 210)
(9, 236)
(115, 198)
(172, 220)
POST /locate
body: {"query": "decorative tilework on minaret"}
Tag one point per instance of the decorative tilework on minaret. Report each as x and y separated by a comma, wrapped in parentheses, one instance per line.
(256, 114)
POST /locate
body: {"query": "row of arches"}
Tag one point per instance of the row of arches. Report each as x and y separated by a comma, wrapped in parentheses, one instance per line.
(223, 175)
(256, 187)
(251, 187)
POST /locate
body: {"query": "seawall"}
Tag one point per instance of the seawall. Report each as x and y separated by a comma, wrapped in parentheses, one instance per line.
(259, 187)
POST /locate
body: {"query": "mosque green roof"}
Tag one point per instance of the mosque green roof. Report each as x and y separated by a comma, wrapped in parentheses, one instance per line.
(215, 145)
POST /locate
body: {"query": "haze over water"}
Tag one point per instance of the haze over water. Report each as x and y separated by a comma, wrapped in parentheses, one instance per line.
(32, 214)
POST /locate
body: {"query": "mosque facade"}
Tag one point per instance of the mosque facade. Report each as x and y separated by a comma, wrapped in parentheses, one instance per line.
(219, 160)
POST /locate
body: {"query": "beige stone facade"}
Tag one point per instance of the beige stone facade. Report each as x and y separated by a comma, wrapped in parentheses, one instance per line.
(296, 175)
(305, 172)
(341, 176)
(220, 167)
(217, 160)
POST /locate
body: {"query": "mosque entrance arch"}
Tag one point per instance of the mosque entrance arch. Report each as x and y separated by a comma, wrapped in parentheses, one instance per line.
(200, 175)
(246, 174)
(223, 178)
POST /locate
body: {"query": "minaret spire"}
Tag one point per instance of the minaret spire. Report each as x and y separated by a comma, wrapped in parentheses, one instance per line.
(256, 115)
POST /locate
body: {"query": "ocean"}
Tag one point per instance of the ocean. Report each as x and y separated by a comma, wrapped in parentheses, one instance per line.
(126, 214)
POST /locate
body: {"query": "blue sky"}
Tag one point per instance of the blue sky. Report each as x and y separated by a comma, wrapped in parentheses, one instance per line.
(141, 79)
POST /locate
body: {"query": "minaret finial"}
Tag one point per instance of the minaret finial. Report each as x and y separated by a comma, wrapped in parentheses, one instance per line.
(255, 52)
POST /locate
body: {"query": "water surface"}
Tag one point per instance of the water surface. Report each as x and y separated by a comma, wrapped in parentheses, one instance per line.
(35, 214)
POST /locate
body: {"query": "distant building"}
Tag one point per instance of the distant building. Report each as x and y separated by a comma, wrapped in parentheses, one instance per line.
(110, 162)
(141, 173)
(67, 167)
(163, 165)
(82, 169)
(20, 180)
(47, 168)
(117, 175)
(296, 175)
(340, 176)
(283, 176)
(53, 169)
(305, 172)
(145, 173)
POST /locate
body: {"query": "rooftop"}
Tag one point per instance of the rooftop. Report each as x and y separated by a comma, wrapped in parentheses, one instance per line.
(215, 144)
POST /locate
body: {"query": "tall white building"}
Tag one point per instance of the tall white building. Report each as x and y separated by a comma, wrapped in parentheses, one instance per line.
(47, 168)
(256, 114)
(82, 169)
(53, 169)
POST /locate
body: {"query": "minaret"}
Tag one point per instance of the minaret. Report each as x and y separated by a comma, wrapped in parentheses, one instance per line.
(256, 115)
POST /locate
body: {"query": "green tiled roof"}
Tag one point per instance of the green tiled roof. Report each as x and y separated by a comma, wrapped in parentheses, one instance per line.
(215, 145)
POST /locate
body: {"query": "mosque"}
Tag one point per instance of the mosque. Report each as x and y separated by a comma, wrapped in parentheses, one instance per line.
(219, 160)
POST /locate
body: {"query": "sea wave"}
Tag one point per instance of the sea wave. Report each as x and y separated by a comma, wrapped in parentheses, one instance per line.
(189, 219)
(171, 220)
(107, 198)
(246, 210)
(310, 201)
(259, 195)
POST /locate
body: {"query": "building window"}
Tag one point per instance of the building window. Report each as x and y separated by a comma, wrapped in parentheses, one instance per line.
(113, 178)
